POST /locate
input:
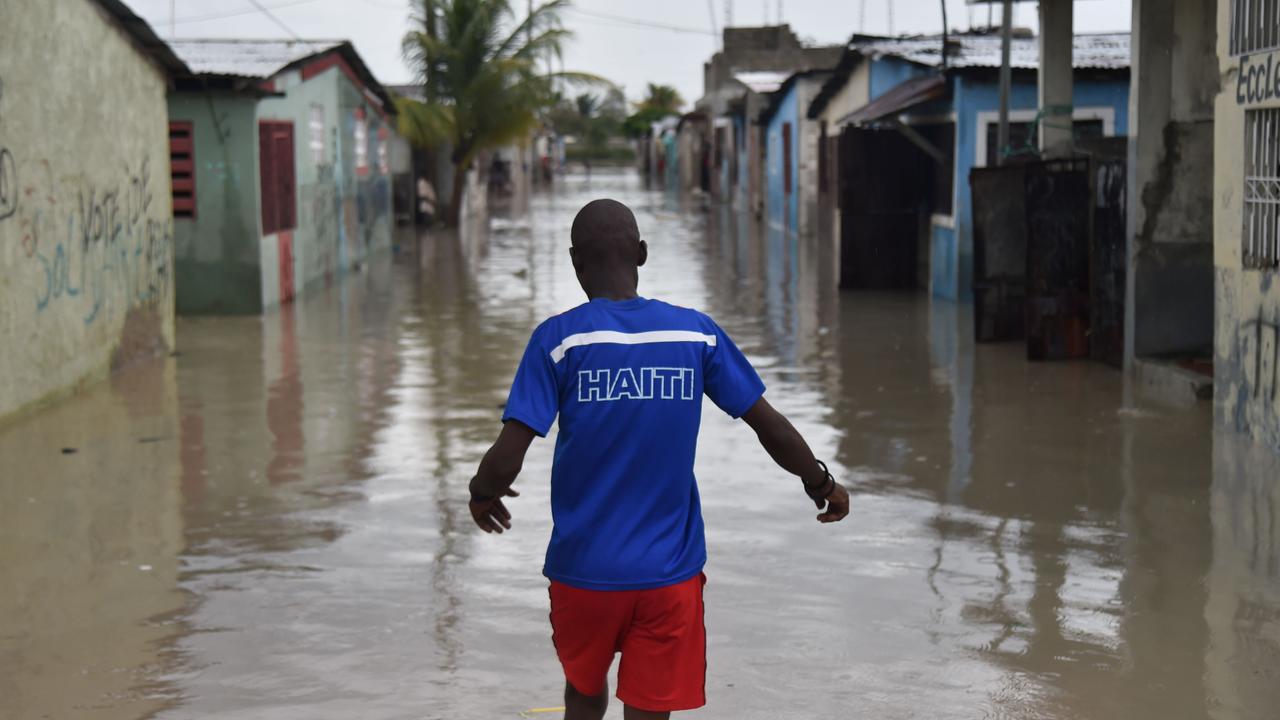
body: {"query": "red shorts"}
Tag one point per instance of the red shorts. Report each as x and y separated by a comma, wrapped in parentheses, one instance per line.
(660, 633)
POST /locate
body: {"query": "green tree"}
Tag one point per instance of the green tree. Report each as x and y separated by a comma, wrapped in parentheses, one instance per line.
(662, 97)
(479, 65)
(659, 102)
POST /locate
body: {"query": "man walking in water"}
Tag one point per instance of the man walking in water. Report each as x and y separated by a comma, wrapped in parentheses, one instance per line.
(626, 375)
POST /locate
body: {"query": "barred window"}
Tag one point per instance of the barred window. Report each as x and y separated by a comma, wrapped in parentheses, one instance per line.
(1255, 26)
(1262, 188)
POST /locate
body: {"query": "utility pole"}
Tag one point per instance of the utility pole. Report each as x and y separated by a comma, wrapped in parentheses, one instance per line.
(890, 17)
(944, 35)
(1006, 80)
(862, 16)
(728, 13)
(711, 10)
(173, 20)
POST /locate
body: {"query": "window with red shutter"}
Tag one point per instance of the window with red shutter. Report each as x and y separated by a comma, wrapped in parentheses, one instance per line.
(182, 169)
(276, 169)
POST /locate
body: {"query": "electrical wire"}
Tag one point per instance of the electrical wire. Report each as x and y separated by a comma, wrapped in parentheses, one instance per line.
(236, 13)
(637, 22)
(275, 19)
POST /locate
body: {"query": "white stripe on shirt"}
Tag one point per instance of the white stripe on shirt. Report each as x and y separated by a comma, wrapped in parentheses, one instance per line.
(620, 338)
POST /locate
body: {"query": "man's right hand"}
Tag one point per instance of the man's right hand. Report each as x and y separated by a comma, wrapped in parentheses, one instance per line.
(837, 505)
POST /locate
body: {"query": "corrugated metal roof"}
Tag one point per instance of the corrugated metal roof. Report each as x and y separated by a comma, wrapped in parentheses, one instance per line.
(763, 81)
(247, 58)
(1107, 51)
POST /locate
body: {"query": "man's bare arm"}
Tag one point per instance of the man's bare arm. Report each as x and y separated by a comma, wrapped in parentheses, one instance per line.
(498, 470)
(789, 450)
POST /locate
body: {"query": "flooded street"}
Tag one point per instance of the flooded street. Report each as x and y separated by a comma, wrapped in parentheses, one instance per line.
(273, 524)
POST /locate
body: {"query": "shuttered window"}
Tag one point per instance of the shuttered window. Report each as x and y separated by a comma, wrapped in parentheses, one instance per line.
(275, 163)
(182, 169)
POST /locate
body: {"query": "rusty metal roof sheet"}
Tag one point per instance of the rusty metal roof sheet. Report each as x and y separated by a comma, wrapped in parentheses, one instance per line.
(1104, 51)
(247, 58)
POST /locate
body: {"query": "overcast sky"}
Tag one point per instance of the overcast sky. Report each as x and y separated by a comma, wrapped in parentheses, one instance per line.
(629, 42)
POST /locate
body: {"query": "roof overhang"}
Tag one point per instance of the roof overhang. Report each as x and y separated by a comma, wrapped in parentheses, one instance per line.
(905, 96)
(147, 40)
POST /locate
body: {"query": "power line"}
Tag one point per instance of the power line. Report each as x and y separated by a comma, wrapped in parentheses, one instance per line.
(638, 22)
(236, 13)
(711, 9)
(275, 19)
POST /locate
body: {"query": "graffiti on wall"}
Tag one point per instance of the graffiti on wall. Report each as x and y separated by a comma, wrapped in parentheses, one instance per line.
(324, 216)
(96, 245)
(372, 200)
(8, 173)
(1265, 355)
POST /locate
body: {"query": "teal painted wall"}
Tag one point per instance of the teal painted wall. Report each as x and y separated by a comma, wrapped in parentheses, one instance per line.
(342, 215)
(225, 263)
(368, 196)
(217, 264)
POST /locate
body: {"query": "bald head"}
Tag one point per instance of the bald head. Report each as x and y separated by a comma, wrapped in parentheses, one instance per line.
(607, 250)
(605, 232)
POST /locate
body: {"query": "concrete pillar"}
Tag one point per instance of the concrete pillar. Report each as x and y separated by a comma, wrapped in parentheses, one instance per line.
(1055, 77)
(1150, 94)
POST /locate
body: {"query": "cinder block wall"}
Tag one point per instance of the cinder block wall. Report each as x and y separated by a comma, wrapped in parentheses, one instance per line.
(85, 209)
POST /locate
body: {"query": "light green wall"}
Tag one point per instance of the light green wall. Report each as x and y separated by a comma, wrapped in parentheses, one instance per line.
(366, 200)
(341, 217)
(217, 256)
(85, 213)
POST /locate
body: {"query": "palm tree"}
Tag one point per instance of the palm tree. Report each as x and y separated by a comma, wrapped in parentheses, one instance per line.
(482, 86)
(664, 98)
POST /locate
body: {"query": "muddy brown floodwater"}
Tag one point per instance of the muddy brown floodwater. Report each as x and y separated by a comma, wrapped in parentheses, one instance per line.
(273, 524)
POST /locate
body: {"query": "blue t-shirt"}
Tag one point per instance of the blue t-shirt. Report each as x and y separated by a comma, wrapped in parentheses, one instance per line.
(627, 379)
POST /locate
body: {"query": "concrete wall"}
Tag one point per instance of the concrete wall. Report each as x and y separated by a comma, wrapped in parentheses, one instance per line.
(889, 73)
(806, 157)
(85, 211)
(976, 101)
(781, 207)
(217, 263)
(1247, 326)
(1170, 290)
(855, 93)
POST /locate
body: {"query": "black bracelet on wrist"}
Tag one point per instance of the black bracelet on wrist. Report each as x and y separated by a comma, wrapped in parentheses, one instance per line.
(821, 490)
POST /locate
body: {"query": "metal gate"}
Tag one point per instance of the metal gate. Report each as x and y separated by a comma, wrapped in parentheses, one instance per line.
(1058, 212)
(999, 253)
(1049, 257)
(1107, 262)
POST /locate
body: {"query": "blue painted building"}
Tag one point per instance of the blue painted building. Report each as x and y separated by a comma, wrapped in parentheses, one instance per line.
(955, 112)
(791, 153)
